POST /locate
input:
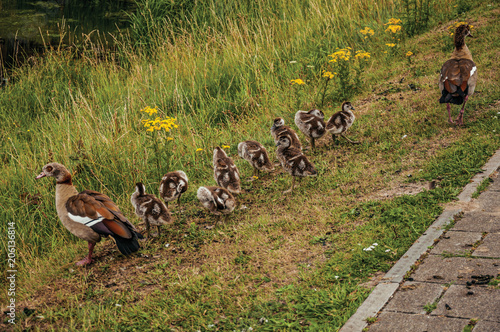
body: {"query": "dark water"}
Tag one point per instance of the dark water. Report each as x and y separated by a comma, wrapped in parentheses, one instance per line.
(26, 25)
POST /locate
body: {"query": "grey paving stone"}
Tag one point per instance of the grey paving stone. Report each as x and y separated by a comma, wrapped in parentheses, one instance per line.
(478, 222)
(456, 242)
(490, 246)
(489, 201)
(372, 305)
(411, 297)
(484, 303)
(484, 326)
(399, 322)
(403, 265)
(442, 270)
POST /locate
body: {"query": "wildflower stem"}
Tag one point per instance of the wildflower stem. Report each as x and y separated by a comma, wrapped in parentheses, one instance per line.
(324, 91)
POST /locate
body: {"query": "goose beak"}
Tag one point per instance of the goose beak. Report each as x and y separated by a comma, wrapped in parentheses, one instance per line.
(41, 175)
(277, 144)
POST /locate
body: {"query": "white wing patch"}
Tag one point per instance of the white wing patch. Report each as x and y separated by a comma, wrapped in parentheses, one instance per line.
(86, 220)
(473, 70)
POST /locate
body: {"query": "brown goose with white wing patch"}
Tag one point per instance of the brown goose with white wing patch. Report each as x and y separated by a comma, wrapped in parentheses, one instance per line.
(89, 215)
(458, 76)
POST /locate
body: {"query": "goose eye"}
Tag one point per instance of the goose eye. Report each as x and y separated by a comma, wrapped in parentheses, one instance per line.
(49, 168)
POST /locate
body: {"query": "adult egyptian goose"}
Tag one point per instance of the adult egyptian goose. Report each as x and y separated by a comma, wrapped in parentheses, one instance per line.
(89, 215)
(217, 200)
(256, 154)
(149, 208)
(458, 76)
(311, 124)
(293, 161)
(172, 186)
(279, 129)
(341, 121)
(226, 173)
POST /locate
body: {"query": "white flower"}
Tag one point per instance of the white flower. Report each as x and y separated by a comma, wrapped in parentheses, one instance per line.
(336, 277)
(375, 244)
(388, 250)
(293, 61)
(404, 136)
(167, 245)
(118, 305)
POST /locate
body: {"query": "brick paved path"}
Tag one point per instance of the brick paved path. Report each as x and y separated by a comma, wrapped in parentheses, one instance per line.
(453, 279)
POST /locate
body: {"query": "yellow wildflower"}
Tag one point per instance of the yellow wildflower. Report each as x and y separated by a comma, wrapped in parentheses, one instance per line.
(367, 31)
(199, 149)
(343, 54)
(225, 146)
(409, 53)
(158, 124)
(255, 177)
(362, 55)
(393, 28)
(391, 45)
(328, 74)
(298, 81)
(170, 138)
(394, 21)
(150, 110)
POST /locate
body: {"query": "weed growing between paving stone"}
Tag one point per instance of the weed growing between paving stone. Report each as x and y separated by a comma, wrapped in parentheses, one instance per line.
(294, 263)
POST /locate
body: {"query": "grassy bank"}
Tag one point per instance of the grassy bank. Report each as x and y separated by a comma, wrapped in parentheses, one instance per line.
(280, 262)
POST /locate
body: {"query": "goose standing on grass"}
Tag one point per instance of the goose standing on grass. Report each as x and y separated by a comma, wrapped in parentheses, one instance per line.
(217, 200)
(458, 75)
(256, 154)
(149, 208)
(311, 124)
(226, 173)
(89, 215)
(341, 121)
(293, 161)
(172, 186)
(279, 129)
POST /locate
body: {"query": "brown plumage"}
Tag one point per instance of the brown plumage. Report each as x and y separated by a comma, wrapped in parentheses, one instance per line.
(293, 161)
(311, 124)
(226, 173)
(149, 208)
(172, 186)
(458, 76)
(89, 215)
(217, 200)
(256, 154)
(279, 129)
(341, 121)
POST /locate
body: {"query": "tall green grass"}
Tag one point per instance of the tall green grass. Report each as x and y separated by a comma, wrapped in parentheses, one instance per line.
(224, 63)
(223, 69)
